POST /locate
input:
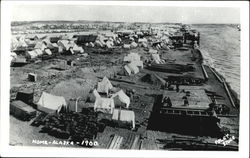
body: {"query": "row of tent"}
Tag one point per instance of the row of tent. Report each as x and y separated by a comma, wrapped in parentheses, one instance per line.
(52, 104)
(134, 62)
(155, 56)
(37, 52)
(107, 104)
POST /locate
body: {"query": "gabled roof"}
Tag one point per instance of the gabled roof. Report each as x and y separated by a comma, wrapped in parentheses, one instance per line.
(122, 97)
(133, 67)
(50, 103)
(127, 69)
(104, 86)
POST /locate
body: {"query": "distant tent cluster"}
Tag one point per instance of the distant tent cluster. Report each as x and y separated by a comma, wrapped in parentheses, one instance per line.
(156, 57)
(35, 46)
(69, 46)
(134, 63)
(107, 40)
(108, 104)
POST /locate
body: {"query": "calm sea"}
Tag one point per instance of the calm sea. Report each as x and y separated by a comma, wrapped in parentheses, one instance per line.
(220, 45)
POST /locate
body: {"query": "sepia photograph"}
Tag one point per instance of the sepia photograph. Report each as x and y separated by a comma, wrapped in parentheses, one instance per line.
(125, 77)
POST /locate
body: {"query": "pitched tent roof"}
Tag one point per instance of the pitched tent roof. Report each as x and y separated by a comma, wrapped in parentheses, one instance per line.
(47, 51)
(98, 43)
(132, 57)
(31, 54)
(127, 46)
(38, 51)
(157, 59)
(105, 105)
(40, 45)
(134, 69)
(138, 63)
(122, 97)
(96, 94)
(76, 48)
(64, 44)
(127, 70)
(134, 45)
(92, 96)
(152, 51)
(124, 115)
(50, 103)
(14, 43)
(104, 86)
(49, 44)
(142, 40)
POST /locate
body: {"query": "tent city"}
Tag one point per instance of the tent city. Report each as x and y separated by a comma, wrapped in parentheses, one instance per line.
(117, 85)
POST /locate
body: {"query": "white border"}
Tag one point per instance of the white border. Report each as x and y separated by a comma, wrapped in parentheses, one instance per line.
(7, 150)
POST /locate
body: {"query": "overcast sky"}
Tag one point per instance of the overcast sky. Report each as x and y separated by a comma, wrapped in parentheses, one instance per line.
(126, 13)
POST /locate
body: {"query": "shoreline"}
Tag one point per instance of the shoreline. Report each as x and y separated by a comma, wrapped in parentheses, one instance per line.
(233, 93)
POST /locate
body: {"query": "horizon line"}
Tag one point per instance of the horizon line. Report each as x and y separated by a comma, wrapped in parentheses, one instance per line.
(113, 21)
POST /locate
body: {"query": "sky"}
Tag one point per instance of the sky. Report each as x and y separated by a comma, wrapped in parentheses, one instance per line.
(189, 15)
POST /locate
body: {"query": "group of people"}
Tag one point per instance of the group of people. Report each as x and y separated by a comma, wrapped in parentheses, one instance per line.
(167, 101)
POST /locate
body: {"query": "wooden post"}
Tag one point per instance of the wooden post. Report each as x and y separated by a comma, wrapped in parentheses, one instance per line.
(76, 104)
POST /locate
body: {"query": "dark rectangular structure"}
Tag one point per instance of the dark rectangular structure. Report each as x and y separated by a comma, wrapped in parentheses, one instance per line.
(22, 111)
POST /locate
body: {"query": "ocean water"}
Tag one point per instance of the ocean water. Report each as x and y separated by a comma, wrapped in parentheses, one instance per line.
(220, 45)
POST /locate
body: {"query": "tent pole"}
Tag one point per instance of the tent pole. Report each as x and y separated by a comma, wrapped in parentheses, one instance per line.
(76, 104)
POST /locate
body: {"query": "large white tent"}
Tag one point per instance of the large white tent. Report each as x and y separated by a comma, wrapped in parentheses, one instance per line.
(104, 86)
(124, 115)
(122, 97)
(51, 103)
(105, 105)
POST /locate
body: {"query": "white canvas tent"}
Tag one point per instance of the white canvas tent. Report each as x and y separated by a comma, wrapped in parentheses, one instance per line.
(50, 103)
(157, 59)
(96, 94)
(124, 115)
(98, 43)
(122, 97)
(126, 46)
(138, 63)
(142, 40)
(133, 45)
(77, 49)
(14, 43)
(127, 70)
(47, 51)
(38, 52)
(31, 54)
(13, 56)
(152, 51)
(132, 57)
(63, 45)
(40, 45)
(104, 86)
(105, 105)
(134, 69)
